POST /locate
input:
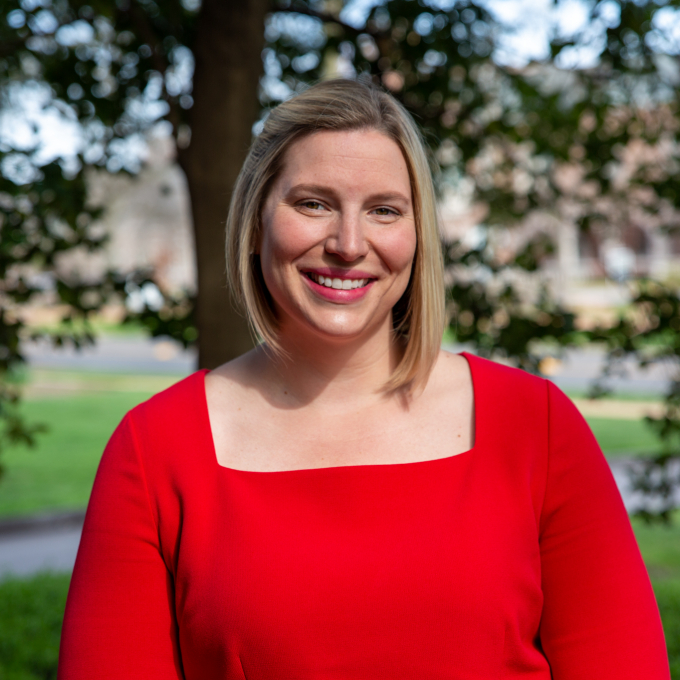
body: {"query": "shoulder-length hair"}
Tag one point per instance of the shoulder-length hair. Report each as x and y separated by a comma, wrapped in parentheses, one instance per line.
(335, 105)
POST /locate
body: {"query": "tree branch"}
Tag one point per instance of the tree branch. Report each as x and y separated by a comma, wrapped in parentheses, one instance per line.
(145, 31)
(10, 47)
(299, 8)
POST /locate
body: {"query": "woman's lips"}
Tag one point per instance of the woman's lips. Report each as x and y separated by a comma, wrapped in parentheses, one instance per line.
(339, 288)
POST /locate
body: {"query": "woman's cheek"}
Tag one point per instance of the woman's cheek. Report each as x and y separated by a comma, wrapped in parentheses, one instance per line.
(291, 240)
(399, 249)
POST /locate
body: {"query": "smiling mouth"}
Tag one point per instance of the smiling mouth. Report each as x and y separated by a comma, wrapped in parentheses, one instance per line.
(337, 283)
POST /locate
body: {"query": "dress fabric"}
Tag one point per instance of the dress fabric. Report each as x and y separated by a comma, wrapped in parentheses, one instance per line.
(514, 559)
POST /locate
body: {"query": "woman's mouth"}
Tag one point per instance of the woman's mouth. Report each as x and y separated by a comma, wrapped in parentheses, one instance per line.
(337, 283)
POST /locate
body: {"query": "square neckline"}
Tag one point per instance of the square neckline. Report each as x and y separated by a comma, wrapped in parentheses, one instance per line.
(475, 444)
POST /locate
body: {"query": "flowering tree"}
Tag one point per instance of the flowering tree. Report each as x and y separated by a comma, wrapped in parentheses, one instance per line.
(599, 106)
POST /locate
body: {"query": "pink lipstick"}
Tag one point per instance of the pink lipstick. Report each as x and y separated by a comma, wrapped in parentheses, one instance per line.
(339, 285)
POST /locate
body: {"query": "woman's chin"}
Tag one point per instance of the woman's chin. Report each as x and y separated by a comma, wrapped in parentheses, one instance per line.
(336, 330)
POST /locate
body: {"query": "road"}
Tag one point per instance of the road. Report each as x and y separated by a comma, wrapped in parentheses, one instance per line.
(130, 354)
(137, 355)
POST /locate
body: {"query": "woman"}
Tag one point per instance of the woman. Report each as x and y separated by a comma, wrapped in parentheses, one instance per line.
(346, 500)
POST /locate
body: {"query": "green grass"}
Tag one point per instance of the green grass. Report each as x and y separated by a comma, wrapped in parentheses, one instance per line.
(58, 473)
(621, 437)
(668, 599)
(31, 612)
(660, 548)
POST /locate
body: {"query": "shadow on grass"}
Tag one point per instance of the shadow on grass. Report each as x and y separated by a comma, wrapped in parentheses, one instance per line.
(31, 611)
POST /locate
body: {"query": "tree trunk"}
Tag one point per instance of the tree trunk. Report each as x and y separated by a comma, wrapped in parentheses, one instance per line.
(228, 65)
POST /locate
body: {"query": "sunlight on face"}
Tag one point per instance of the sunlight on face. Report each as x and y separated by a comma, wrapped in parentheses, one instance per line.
(338, 237)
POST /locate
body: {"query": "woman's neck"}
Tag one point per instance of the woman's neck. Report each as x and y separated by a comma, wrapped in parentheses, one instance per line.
(315, 369)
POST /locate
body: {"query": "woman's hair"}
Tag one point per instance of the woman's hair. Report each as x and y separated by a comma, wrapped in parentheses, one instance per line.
(336, 105)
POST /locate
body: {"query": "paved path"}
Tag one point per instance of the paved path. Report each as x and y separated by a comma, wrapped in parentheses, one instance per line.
(49, 542)
(26, 554)
(581, 366)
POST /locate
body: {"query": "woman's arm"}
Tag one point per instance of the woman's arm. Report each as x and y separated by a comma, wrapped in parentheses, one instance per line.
(119, 620)
(600, 618)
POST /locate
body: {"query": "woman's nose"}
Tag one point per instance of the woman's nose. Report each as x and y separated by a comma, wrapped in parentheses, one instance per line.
(348, 240)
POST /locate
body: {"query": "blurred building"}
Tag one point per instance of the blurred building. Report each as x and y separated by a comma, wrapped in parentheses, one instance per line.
(148, 219)
(149, 222)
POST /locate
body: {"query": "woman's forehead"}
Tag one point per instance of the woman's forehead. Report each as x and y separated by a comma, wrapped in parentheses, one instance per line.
(348, 157)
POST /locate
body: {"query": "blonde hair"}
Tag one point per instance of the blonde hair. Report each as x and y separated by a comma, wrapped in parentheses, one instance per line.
(335, 105)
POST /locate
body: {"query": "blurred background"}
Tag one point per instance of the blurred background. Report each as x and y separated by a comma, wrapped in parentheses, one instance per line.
(554, 131)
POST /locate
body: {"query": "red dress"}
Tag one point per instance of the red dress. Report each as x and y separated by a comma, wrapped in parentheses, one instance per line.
(512, 560)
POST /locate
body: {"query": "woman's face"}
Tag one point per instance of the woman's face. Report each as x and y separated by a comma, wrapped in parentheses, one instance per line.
(338, 233)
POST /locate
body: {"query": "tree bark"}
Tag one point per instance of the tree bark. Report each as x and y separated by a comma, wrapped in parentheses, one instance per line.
(228, 65)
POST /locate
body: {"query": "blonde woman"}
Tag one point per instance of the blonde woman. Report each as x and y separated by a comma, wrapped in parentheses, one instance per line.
(347, 501)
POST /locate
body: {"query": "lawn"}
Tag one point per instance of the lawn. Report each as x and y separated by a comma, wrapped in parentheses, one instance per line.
(31, 611)
(58, 473)
(623, 437)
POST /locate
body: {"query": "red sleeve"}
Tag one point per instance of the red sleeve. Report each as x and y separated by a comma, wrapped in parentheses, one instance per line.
(600, 618)
(119, 620)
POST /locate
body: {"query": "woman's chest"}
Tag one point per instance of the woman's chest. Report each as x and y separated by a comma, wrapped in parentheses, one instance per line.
(272, 440)
(325, 573)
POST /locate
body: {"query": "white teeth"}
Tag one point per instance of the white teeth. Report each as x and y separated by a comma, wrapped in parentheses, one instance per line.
(339, 284)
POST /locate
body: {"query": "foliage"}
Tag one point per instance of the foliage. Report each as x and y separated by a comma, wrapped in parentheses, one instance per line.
(160, 313)
(31, 612)
(488, 311)
(93, 67)
(590, 139)
(649, 333)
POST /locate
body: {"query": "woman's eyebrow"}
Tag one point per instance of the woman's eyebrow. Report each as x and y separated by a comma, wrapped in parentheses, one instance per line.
(311, 189)
(319, 189)
(390, 196)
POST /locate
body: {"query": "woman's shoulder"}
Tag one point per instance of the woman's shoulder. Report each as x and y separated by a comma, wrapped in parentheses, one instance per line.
(517, 395)
(174, 414)
(485, 373)
(178, 396)
(501, 394)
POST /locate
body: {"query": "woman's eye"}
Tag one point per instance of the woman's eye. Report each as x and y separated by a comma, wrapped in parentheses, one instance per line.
(385, 212)
(313, 205)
